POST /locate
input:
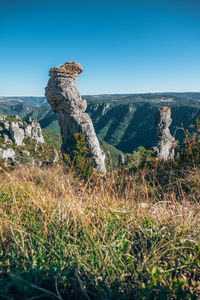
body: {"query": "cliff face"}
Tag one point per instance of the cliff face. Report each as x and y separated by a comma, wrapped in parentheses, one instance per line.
(165, 142)
(66, 102)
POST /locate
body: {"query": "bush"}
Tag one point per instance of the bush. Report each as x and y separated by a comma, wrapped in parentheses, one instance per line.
(190, 153)
(139, 158)
(78, 156)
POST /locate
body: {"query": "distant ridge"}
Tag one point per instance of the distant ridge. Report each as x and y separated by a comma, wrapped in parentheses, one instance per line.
(125, 121)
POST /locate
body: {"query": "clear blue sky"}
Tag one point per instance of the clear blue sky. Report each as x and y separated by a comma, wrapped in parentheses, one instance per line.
(124, 46)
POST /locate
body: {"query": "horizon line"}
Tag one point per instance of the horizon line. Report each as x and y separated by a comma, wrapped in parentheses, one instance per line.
(104, 94)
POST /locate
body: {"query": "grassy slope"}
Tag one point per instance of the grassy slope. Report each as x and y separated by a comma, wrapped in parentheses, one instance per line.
(126, 237)
(111, 152)
(52, 138)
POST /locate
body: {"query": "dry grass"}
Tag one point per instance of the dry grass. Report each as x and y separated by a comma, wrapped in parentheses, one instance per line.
(128, 236)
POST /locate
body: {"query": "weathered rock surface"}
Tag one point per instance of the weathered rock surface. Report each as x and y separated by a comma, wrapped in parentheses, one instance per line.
(13, 138)
(8, 153)
(26, 152)
(121, 160)
(34, 131)
(165, 141)
(16, 133)
(15, 130)
(66, 102)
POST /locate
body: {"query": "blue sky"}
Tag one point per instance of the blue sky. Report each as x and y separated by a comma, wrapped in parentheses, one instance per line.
(124, 46)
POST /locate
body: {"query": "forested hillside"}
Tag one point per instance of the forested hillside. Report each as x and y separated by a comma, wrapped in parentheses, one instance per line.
(127, 121)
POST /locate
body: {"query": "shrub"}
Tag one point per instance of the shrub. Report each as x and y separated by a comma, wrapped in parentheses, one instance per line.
(139, 158)
(78, 156)
(190, 153)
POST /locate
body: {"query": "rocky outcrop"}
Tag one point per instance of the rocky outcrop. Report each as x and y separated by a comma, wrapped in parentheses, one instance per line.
(21, 141)
(66, 102)
(165, 141)
(15, 130)
(33, 131)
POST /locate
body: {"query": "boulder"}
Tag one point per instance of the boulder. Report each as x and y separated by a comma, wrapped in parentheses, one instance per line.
(8, 154)
(16, 133)
(26, 152)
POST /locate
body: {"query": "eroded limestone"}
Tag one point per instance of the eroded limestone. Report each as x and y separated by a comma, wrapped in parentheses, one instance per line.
(166, 144)
(65, 100)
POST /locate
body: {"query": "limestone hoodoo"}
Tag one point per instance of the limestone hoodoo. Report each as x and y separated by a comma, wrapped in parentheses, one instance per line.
(166, 143)
(62, 94)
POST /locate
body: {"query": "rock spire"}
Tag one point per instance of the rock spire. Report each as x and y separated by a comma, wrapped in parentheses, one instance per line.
(65, 100)
(165, 141)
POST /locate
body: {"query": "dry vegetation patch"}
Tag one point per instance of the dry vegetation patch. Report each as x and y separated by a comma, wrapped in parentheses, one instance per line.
(125, 236)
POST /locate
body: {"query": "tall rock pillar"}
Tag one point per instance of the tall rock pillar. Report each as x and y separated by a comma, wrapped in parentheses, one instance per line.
(165, 141)
(62, 94)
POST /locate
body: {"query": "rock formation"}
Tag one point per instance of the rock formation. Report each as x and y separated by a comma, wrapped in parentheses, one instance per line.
(121, 160)
(6, 154)
(66, 102)
(15, 130)
(165, 141)
(22, 142)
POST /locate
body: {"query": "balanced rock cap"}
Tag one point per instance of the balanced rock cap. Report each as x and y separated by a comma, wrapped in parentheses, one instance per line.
(70, 68)
(164, 109)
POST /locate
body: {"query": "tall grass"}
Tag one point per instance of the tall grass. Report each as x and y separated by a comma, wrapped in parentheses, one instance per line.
(133, 236)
